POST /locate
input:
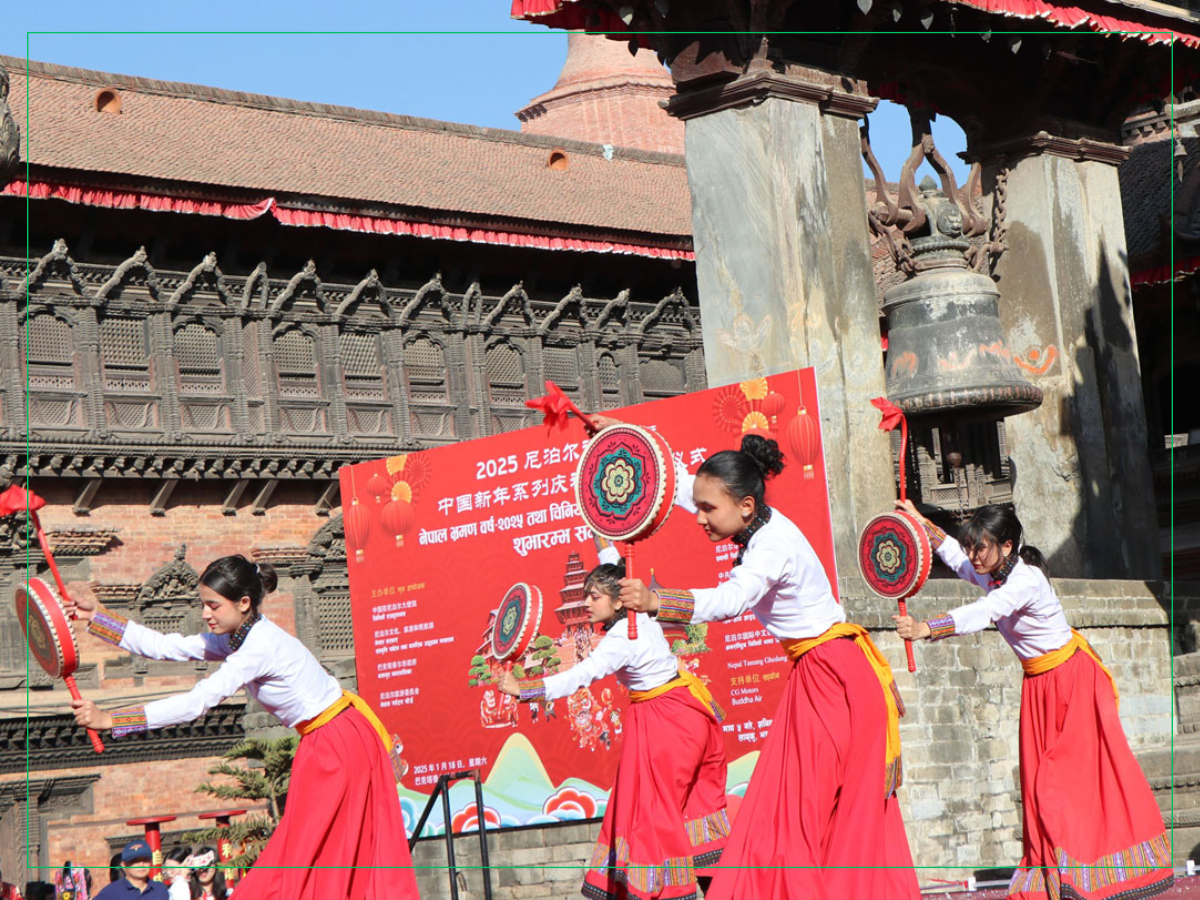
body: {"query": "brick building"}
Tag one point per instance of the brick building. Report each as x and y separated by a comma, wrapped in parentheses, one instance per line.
(230, 296)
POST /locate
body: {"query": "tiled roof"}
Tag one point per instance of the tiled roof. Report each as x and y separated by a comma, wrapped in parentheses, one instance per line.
(238, 142)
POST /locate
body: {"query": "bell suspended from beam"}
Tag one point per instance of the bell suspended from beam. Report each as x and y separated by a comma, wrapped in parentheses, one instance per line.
(947, 359)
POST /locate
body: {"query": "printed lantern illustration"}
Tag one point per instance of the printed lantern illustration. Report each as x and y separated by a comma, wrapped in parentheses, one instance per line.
(398, 516)
(804, 437)
(357, 522)
(379, 487)
(772, 406)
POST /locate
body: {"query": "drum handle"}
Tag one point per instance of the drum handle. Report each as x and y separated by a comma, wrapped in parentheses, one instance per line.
(46, 552)
(629, 574)
(908, 650)
(97, 744)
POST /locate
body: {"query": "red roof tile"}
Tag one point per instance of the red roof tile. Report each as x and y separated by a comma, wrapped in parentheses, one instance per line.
(358, 158)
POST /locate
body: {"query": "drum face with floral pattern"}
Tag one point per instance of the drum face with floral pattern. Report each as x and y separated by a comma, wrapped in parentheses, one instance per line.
(47, 628)
(517, 619)
(894, 555)
(625, 483)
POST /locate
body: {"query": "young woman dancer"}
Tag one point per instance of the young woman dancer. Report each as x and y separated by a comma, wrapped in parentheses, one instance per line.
(820, 817)
(1091, 827)
(665, 820)
(342, 834)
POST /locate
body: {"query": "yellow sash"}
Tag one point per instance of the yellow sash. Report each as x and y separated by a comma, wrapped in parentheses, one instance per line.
(1056, 658)
(797, 647)
(695, 686)
(347, 699)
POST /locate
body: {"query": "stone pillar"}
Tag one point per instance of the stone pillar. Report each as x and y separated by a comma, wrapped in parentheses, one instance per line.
(783, 263)
(1082, 481)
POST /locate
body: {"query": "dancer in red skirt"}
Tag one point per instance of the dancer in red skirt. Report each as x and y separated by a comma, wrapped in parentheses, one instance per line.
(342, 834)
(665, 820)
(820, 819)
(1091, 827)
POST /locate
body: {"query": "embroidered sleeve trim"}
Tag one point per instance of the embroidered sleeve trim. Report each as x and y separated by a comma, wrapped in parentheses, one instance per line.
(936, 535)
(108, 626)
(675, 607)
(532, 689)
(941, 627)
(130, 720)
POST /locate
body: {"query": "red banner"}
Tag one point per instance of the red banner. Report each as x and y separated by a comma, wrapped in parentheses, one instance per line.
(436, 540)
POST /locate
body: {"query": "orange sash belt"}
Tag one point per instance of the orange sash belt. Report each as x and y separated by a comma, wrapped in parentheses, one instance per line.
(1056, 658)
(695, 686)
(797, 647)
(347, 699)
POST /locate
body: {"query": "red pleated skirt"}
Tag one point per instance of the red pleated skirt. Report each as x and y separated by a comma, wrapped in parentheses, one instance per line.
(666, 818)
(1091, 827)
(815, 824)
(341, 836)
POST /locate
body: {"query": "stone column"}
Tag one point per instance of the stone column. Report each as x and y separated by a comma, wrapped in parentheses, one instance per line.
(784, 267)
(1082, 480)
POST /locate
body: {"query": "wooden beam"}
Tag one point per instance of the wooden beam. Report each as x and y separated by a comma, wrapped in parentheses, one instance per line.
(326, 501)
(259, 507)
(229, 505)
(87, 493)
(158, 506)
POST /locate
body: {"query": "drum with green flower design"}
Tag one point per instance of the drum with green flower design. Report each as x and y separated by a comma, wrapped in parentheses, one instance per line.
(625, 482)
(894, 555)
(517, 619)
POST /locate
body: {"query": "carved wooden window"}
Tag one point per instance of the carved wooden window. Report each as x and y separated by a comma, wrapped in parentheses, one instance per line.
(124, 353)
(198, 357)
(983, 476)
(561, 365)
(252, 376)
(296, 363)
(610, 381)
(334, 624)
(506, 375)
(362, 366)
(663, 377)
(50, 354)
(425, 366)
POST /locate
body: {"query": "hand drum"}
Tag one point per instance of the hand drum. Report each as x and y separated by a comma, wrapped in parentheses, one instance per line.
(625, 485)
(517, 620)
(894, 556)
(51, 640)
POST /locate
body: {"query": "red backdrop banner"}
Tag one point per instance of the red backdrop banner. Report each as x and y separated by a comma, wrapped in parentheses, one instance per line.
(435, 541)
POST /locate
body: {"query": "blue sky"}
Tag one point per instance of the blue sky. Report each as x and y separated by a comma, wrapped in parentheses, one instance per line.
(479, 78)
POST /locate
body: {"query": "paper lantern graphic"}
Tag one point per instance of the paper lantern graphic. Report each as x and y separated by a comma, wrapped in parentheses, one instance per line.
(772, 406)
(379, 487)
(397, 518)
(804, 437)
(357, 522)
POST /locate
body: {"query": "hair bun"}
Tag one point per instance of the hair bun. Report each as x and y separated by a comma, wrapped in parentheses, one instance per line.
(270, 578)
(766, 454)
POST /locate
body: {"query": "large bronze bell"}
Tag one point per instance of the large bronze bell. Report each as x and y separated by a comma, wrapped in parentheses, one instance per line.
(946, 351)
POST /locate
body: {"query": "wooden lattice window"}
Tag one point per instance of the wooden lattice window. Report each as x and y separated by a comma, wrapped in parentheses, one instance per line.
(662, 377)
(124, 354)
(50, 354)
(425, 367)
(362, 367)
(506, 375)
(296, 363)
(250, 361)
(334, 624)
(198, 358)
(610, 381)
(561, 365)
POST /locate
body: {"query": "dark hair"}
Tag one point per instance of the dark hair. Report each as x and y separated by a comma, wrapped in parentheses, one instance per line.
(114, 867)
(607, 577)
(235, 577)
(220, 891)
(995, 524)
(178, 854)
(745, 472)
